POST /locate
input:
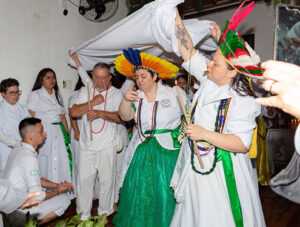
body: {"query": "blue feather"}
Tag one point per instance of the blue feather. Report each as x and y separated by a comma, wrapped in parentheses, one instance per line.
(133, 56)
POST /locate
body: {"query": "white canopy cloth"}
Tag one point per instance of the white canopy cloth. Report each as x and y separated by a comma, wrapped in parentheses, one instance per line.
(150, 29)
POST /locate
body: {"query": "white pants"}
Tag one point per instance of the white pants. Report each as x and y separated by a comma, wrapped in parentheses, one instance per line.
(91, 165)
(58, 204)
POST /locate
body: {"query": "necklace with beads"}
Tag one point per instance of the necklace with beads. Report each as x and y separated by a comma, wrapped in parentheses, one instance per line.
(219, 126)
(104, 110)
(153, 124)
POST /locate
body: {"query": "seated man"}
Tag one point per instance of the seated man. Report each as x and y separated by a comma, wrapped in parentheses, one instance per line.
(22, 171)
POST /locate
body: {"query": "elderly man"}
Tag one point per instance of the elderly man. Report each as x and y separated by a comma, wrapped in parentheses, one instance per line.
(98, 142)
(11, 113)
(23, 172)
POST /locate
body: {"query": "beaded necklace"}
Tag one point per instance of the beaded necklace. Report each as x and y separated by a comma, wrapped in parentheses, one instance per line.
(206, 146)
(104, 110)
(153, 124)
(219, 126)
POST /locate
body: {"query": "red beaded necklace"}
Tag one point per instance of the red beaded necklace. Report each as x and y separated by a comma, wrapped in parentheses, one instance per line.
(104, 110)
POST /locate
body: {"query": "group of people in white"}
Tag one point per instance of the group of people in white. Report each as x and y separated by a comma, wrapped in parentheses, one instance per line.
(160, 181)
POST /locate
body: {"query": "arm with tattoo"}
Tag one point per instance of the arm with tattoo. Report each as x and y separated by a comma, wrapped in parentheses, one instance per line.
(184, 41)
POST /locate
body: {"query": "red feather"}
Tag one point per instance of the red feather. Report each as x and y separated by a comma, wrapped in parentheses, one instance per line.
(238, 17)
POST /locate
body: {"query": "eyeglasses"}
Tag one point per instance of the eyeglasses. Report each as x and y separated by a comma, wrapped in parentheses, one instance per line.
(13, 93)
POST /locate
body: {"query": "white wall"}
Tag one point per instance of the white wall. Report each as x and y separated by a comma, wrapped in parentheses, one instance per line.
(260, 22)
(35, 34)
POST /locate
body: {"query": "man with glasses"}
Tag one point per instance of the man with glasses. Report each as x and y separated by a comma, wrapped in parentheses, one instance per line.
(11, 114)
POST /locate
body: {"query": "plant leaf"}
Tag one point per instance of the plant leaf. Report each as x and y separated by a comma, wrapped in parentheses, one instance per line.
(75, 219)
(62, 223)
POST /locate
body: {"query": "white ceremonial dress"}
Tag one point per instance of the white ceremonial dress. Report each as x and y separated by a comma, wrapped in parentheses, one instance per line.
(168, 117)
(203, 199)
(53, 156)
(10, 117)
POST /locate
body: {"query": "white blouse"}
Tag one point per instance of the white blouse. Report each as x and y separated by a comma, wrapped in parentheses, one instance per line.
(45, 105)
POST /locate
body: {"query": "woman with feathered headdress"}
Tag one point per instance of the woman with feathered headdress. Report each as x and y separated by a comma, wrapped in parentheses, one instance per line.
(146, 198)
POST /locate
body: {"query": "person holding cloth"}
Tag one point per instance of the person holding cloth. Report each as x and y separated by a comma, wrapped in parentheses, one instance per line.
(224, 192)
(97, 154)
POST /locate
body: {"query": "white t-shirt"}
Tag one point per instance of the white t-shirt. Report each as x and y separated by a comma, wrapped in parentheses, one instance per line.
(22, 169)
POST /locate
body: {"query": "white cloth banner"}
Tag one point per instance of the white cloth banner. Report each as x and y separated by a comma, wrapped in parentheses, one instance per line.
(150, 29)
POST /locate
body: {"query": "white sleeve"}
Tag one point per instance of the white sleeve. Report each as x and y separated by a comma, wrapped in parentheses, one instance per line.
(196, 66)
(8, 140)
(10, 198)
(84, 76)
(118, 100)
(71, 101)
(241, 118)
(32, 101)
(31, 172)
(82, 97)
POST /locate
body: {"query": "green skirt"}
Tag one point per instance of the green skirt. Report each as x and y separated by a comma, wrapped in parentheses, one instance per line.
(146, 198)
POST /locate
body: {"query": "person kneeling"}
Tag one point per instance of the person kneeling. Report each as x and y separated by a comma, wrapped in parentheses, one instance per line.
(22, 170)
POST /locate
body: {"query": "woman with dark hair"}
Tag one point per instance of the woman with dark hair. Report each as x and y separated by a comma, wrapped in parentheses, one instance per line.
(224, 192)
(45, 102)
(146, 198)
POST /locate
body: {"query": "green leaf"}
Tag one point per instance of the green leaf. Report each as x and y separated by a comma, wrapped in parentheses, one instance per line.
(75, 219)
(61, 224)
(86, 223)
(30, 223)
(101, 221)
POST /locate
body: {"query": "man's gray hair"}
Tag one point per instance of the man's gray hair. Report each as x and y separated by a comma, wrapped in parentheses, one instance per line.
(101, 65)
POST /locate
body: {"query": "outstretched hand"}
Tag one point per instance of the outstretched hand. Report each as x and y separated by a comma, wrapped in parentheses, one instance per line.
(283, 81)
(75, 58)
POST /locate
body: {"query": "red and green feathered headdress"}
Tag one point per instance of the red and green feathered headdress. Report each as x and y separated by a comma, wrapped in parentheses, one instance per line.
(236, 51)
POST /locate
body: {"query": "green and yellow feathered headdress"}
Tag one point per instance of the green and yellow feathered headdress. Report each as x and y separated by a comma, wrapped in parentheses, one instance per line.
(236, 51)
(132, 60)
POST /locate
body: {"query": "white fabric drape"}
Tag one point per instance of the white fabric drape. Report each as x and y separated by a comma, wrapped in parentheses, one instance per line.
(150, 29)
